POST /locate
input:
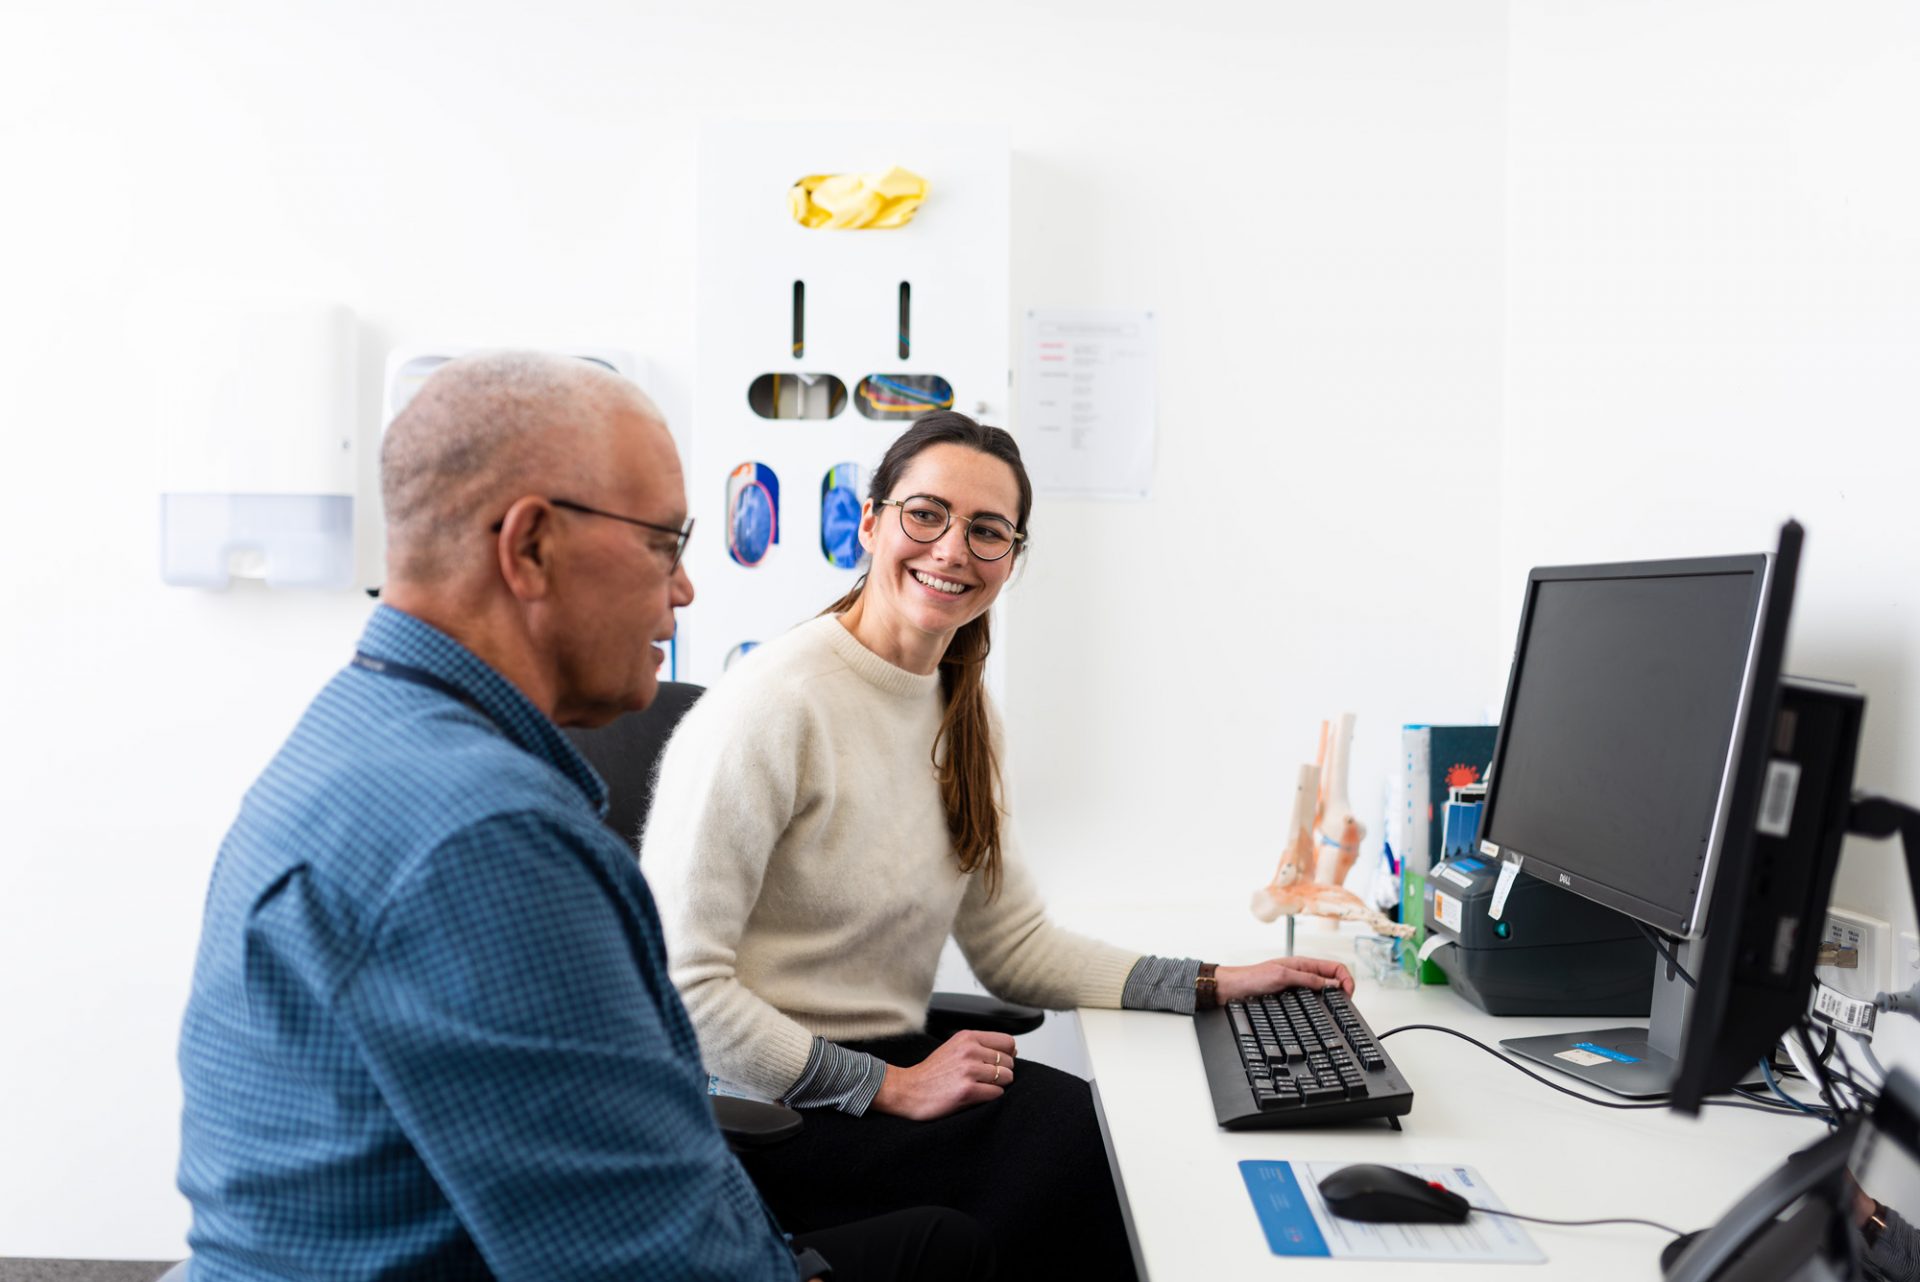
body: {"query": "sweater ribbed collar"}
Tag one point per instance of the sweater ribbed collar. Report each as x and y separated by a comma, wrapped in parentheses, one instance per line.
(870, 667)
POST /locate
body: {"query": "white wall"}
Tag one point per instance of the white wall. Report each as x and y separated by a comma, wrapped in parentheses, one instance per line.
(1713, 323)
(1313, 197)
(1322, 529)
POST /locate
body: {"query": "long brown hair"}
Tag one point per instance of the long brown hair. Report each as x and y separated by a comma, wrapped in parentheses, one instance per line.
(969, 771)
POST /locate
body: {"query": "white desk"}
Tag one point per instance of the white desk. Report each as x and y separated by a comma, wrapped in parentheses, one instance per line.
(1542, 1153)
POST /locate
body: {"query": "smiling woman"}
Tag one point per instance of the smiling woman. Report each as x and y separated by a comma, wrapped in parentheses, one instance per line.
(825, 817)
(928, 584)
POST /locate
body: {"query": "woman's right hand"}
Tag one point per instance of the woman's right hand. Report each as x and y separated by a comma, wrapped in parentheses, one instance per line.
(970, 1068)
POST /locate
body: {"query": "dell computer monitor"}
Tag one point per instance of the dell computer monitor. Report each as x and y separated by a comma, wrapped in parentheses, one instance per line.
(1623, 772)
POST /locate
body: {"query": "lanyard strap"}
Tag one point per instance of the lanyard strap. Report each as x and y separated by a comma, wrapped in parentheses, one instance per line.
(417, 676)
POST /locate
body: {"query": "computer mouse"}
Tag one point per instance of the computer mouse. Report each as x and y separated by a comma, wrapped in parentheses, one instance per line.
(1384, 1195)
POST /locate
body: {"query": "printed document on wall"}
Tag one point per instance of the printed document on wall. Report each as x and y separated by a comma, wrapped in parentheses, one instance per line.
(1087, 387)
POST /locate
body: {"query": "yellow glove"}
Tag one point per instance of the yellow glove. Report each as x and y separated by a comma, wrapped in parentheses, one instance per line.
(857, 201)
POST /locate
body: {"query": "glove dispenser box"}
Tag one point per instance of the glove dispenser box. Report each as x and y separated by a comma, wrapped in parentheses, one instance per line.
(258, 447)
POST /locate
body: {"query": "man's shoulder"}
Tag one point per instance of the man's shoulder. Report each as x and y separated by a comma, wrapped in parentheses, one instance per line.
(366, 786)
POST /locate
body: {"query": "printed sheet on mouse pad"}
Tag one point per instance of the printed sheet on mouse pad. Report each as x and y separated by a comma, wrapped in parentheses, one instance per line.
(1286, 1196)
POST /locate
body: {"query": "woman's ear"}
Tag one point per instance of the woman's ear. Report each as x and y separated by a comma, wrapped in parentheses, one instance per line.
(868, 515)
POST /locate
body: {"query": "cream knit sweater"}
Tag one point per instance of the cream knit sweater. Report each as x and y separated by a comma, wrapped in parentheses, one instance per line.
(799, 852)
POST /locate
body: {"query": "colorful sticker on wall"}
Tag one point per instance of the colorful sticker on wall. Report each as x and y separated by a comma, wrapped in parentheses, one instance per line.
(840, 515)
(753, 513)
(740, 651)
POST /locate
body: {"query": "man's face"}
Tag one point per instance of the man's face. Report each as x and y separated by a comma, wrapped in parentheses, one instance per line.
(614, 595)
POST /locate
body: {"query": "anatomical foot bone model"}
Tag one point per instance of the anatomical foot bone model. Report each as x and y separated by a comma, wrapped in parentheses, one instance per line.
(1295, 887)
(1336, 833)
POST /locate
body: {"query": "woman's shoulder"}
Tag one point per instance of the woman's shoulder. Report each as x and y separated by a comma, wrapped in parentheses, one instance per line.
(778, 679)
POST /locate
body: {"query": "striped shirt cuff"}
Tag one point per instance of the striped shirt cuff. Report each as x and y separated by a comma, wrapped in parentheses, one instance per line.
(836, 1077)
(1161, 983)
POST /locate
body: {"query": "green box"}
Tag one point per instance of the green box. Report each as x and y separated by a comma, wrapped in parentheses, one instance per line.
(1413, 910)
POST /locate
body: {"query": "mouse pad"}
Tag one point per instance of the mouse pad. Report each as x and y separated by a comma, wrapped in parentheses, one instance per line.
(1286, 1197)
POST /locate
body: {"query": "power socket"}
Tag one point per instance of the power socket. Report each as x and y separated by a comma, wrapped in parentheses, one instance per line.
(1868, 937)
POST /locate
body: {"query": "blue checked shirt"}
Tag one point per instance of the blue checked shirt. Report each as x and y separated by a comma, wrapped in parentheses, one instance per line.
(430, 1033)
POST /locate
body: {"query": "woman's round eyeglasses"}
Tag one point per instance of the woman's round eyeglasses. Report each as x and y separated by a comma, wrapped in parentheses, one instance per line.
(924, 519)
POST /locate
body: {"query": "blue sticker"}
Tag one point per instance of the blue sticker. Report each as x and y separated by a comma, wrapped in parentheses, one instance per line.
(1469, 865)
(753, 513)
(840, 515)
(1618, 1057)
(1285, 1215)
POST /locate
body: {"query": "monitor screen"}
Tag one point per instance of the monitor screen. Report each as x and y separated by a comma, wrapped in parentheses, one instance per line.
(1624, 710)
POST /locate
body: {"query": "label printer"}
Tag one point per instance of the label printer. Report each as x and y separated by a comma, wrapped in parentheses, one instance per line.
(1550, 952)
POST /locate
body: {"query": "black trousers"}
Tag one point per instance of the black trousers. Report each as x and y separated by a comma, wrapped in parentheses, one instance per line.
(926, 1244)
(1030, 1167)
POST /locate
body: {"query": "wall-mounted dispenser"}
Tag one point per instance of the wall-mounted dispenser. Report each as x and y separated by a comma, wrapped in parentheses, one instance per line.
(408, 368)
(819, 340)
(258, 430)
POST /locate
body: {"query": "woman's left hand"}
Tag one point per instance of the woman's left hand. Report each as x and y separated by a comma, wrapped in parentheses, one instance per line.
(1237, 983)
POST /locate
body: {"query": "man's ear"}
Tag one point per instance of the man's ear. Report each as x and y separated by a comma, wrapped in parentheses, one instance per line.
(525, 548)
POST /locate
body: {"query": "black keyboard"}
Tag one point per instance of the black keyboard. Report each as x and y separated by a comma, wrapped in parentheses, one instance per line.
(1302, 1057)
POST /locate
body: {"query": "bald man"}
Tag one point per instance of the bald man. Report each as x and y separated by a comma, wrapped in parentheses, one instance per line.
(431, 1033)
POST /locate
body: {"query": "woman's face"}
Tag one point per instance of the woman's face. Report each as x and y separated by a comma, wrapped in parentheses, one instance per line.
(934, 588)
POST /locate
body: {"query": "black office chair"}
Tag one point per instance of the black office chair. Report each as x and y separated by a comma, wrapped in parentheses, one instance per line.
(626, 752)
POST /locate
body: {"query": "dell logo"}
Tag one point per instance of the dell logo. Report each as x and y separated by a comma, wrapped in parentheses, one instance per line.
(1565, 880)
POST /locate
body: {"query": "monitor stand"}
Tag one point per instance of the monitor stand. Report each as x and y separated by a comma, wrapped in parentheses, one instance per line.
(1633, 1061)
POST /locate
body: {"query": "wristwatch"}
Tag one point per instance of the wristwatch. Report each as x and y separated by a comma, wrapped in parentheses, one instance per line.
(1206, 988)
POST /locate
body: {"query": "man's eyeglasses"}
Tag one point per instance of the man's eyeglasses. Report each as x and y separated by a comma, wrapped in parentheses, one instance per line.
(924, 519)
(681, 533)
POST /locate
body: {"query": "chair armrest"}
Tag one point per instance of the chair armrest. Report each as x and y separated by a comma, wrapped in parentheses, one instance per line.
(948, 1013)
(752, 1123)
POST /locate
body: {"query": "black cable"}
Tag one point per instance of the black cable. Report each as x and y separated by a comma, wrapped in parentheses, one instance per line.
(1774, 1104)
(1825, 1083)
(1782, 1063)
(1790, 1068)
(1671, 960)
(1580, 1224)
(1865, 1095)
(1579, 1095)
